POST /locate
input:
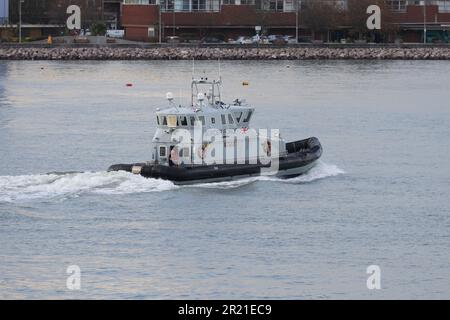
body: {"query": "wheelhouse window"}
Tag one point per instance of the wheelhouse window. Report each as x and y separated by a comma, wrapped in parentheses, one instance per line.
(213, 120)
(249, 115)
(230, 119)
(172, 121)
(238, 116)
(202, 119)
(183, 121)
(224, 120)
(157, 120)
(192, 121)
(164, 121)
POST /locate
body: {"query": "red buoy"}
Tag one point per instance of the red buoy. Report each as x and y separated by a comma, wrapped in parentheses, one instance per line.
(129, 84)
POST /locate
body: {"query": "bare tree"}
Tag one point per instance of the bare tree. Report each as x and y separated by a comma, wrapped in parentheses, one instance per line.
(262, 13)
(33, 12)
(357, 18)
(320, 15)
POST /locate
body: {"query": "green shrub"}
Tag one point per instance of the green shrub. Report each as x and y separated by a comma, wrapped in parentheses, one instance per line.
(98, 29)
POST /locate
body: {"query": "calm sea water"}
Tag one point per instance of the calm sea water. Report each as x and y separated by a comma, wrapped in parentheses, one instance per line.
(380, 195)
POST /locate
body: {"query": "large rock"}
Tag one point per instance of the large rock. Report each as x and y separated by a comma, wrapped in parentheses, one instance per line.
(109, 53)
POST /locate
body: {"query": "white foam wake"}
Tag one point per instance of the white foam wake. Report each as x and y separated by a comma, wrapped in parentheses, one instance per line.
(29, 187)
(320, 171)
(50, 186)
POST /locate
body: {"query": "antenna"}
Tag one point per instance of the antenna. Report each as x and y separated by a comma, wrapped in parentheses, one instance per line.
(219, 89)
(193, 67)
(169, 97)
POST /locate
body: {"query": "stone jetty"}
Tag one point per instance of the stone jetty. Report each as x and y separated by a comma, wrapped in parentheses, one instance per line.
(213, 53)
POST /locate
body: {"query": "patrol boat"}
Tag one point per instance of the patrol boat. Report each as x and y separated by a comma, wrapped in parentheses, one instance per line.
(211, 141)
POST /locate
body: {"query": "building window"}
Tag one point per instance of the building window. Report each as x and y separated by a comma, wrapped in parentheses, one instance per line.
(186, 5)
(167, 5)
(443, 5)
(280, 5)
(229, 2)
(189, 5)
(397, 5)
(137, 2)
(162, 151)
(276, 5)
(199, 5)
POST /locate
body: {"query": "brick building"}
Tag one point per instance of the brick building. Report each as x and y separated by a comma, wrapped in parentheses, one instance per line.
(198, 18)
(148, 20)
(143, 19)
(412, 17)
(40, 18)
(111, 13)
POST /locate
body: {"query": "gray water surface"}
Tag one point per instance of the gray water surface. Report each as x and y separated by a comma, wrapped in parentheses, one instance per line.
(380, 195)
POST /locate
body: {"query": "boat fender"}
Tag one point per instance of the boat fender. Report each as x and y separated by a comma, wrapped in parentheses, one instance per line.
(201, 152)
(267, 147)
(174, 156)
(136, 169)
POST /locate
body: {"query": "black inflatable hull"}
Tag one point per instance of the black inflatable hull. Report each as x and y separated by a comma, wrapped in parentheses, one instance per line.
(301, 157)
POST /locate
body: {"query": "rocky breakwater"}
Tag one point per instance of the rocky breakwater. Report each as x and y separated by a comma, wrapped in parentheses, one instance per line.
(235, 53)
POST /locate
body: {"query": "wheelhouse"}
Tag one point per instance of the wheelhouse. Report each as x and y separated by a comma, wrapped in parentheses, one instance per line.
(206, 109)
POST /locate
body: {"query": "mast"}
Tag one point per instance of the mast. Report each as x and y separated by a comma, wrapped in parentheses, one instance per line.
(214, 87)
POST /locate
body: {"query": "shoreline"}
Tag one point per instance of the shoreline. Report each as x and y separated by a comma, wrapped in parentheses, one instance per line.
(224, 53)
